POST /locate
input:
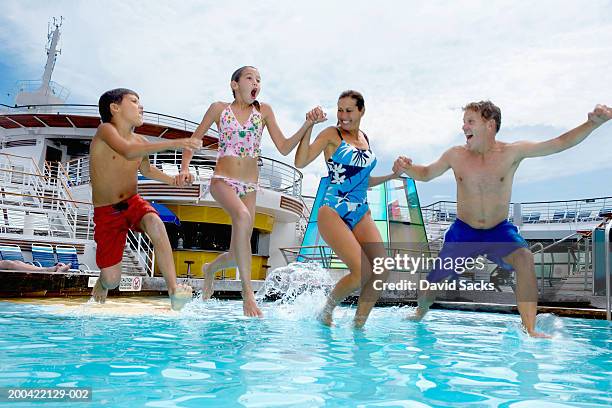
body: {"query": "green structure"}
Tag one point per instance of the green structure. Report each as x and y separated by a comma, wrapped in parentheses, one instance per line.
(396, 211)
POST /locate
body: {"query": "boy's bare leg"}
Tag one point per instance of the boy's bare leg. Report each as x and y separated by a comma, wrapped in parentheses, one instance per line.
(180, 294)
(109, 279)
(526, 288)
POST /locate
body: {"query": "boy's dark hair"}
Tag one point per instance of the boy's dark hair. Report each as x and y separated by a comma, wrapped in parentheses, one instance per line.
(236, 77)
(488, 110)
(357, 96)
(112, 96)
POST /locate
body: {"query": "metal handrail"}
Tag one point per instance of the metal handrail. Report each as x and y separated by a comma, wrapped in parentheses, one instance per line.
(535, 212)
(67, 108)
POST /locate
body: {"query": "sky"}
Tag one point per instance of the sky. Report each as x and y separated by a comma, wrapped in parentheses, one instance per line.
(546, 64)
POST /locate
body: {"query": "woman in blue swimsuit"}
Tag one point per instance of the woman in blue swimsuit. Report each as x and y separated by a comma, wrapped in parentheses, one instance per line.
(344, 218)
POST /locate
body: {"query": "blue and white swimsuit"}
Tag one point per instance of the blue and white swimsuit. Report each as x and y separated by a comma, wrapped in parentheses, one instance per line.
(349, 174)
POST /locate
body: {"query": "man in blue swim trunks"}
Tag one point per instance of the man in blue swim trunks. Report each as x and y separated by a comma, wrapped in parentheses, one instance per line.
(484, 170)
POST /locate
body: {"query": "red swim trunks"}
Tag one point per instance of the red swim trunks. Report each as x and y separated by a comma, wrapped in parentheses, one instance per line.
(112, 225)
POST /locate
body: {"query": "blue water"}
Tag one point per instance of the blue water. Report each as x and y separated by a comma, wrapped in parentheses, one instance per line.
(133, 353)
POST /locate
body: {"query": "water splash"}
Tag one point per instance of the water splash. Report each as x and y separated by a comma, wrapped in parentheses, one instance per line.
(299, 290)
(288, 283)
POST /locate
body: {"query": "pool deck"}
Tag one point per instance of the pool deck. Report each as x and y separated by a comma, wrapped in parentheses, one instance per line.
(35, 284)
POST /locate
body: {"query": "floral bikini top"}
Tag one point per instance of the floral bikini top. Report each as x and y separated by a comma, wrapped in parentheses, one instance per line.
(240, 140)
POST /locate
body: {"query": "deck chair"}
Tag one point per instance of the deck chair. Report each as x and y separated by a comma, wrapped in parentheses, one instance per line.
(570, 216)
(11, 253)
(558, 216)
(43, 255)
(605, 212)
(67, 254)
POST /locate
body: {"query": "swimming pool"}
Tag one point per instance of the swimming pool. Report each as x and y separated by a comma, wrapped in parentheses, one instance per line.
(133, 353)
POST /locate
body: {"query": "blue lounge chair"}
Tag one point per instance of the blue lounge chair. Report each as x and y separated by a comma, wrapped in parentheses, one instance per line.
(43, 255)
(67, 254)
(11, 253)
(558, 216)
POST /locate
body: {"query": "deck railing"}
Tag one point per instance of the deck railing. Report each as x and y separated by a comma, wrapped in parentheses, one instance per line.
(536, 212)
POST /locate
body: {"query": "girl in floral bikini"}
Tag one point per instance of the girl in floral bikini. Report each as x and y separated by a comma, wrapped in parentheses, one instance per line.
(234, 183)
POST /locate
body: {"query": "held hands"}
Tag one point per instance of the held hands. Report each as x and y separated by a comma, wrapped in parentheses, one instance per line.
(184, 178)
(401, 164)
(600, 114)
(189, 143)
(315, 116)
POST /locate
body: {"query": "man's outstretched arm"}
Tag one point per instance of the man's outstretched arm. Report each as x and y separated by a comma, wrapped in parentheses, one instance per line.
(599, 116)
(423, 173)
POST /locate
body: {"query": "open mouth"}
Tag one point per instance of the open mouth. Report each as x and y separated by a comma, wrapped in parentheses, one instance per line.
(253, 93)
(468, 137)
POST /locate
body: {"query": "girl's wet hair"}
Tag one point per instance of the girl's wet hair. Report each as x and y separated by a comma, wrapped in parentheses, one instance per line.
(357, 96)
(236, 77)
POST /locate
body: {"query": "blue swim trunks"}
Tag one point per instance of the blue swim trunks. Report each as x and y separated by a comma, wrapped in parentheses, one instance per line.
(463, 241)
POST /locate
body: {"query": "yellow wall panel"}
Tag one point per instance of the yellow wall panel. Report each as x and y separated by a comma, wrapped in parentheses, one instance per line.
(214, 215)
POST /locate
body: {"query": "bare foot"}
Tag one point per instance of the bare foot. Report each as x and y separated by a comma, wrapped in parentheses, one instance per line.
(249, 307)
(359, 321)
(99, 292)
(326, 316)
(207, 286)
(181, 296)
(418, 315)
(538, 335)
(60, 267)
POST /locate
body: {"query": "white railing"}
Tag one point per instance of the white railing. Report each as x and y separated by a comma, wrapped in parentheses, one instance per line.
(92, 110)
(273, 174)
(547, 212)
(76, 171)
(142, 247)
(35, 85)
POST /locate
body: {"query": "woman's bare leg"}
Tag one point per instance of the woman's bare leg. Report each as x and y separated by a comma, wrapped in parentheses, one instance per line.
(341, 239)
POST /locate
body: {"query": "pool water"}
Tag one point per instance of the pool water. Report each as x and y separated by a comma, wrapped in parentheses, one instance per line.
(135, 352)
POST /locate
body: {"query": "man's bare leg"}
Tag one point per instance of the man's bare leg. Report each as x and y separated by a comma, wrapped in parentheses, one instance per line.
(425, 300)
(526, 288)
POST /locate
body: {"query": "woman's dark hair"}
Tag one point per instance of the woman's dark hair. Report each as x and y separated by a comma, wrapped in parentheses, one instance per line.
(236, 77)
(112, 96)
(357, 96)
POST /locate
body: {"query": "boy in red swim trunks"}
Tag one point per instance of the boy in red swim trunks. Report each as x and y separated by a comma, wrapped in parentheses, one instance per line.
(116, 155)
